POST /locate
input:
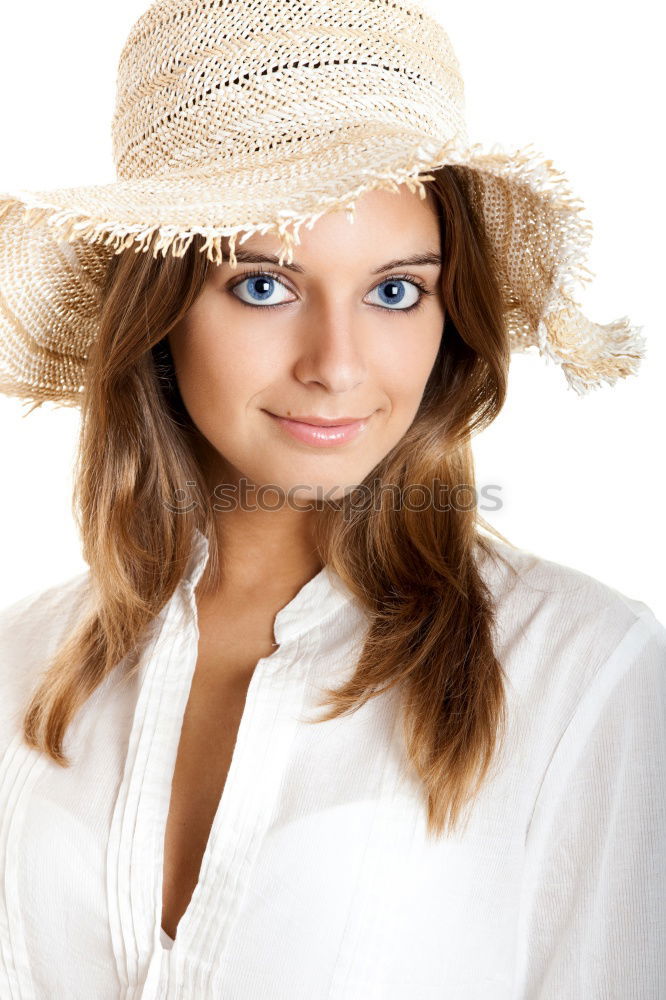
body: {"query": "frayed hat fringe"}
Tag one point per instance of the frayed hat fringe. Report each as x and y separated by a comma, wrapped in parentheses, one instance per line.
(525, 164)
(74, 225)
(604, 353)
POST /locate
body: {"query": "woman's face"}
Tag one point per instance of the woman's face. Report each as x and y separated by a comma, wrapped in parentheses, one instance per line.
(338, 338)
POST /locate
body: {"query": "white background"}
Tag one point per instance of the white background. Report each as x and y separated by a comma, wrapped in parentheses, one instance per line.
(581, 479)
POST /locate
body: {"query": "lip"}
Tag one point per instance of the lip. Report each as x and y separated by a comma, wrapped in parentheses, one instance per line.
(322, 434)
(321, 421)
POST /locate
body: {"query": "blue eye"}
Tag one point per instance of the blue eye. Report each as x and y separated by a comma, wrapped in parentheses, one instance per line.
(261, 286)
(392, 293)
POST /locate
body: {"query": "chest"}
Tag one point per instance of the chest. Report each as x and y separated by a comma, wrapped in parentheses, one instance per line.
(217, 698)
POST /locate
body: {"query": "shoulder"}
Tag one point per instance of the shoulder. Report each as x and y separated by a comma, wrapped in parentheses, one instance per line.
(31, 630)
(559, 631)
(34, 619)
(533, 591)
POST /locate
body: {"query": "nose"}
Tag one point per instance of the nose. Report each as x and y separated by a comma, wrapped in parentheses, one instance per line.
(332, 352)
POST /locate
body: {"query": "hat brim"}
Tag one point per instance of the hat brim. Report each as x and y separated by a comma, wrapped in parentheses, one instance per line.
(55, 247)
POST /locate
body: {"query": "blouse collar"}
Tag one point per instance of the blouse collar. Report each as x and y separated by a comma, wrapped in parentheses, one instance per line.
(319, 598)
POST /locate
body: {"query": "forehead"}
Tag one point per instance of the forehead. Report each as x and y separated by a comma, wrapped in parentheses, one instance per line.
(385, 223)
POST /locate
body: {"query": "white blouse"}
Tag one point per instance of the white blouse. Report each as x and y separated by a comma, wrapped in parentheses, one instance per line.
(318, 881)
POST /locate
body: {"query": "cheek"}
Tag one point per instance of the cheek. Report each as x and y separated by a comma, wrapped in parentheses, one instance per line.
(214, 375)
(405, 365)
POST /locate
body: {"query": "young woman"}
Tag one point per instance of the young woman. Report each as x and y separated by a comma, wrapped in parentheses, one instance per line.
(307, 727)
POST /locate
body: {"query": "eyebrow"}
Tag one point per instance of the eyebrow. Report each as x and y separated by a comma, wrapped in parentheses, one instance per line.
(417, 260)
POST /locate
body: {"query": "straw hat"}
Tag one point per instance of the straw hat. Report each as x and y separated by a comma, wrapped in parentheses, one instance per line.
(252, 117)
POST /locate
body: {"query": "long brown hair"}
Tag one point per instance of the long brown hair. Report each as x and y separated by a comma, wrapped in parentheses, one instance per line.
(431, 616)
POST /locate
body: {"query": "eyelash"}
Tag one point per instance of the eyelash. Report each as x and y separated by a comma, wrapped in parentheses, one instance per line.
(395, 277)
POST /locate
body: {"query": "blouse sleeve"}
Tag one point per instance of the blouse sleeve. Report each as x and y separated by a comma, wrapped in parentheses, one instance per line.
(593, 905)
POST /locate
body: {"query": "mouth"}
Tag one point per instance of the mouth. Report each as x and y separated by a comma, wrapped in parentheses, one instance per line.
(320, 431)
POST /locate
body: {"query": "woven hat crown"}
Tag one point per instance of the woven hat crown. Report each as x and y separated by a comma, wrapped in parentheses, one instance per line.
(223, 86)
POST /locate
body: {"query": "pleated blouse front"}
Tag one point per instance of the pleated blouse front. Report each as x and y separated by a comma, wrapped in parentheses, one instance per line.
(318, 879)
